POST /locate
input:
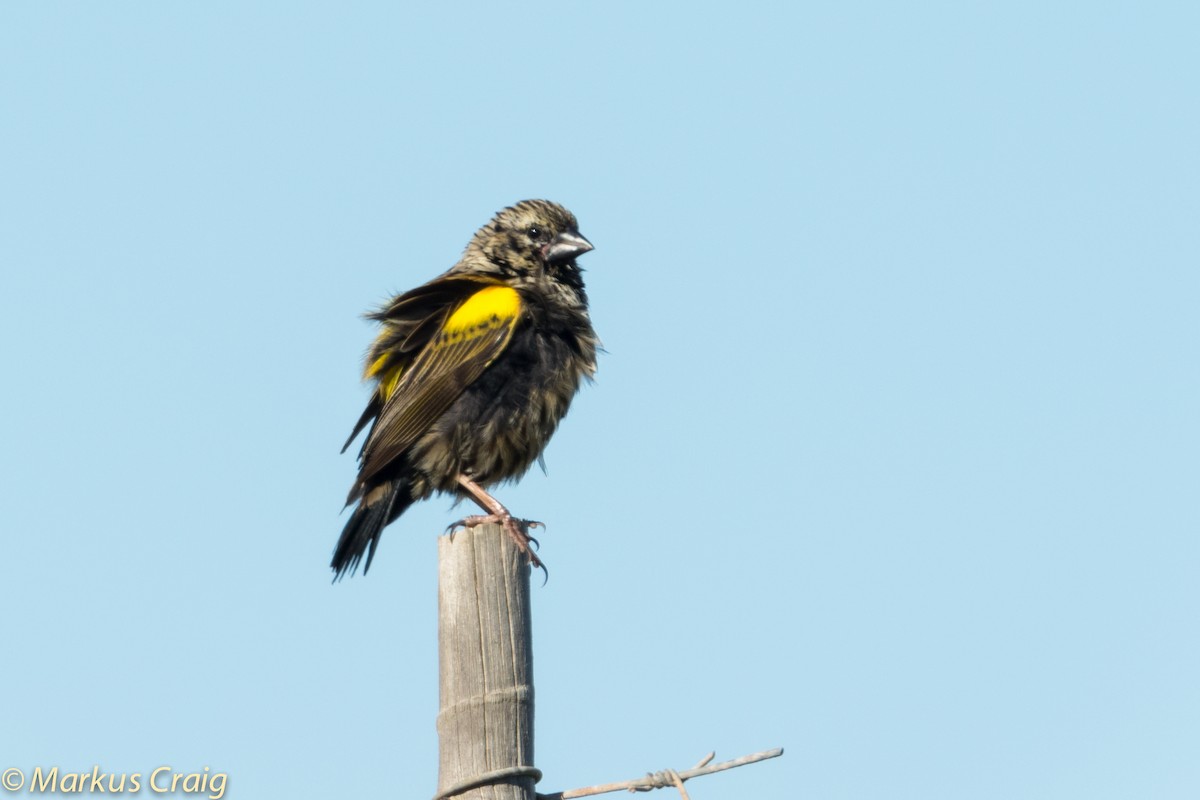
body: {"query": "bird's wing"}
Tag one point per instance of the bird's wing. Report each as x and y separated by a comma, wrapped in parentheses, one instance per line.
(458, 346)
(409, 323)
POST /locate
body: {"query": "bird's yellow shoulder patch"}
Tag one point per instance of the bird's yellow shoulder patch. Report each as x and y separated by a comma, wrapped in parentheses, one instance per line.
(385, 368)
(388, 381)
(376, 366)
(490, 307)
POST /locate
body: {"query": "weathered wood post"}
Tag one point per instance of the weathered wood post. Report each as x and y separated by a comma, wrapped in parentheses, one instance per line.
(485, 722)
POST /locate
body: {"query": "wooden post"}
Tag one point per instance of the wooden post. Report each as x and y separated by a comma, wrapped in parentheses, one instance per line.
(485, 725)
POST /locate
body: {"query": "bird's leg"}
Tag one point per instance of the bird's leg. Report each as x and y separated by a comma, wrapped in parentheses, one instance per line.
(517, 529)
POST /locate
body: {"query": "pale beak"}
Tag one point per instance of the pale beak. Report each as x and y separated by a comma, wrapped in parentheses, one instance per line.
(566, 246)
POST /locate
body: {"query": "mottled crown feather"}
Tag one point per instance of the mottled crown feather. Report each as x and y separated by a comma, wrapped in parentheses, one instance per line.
(527, 211)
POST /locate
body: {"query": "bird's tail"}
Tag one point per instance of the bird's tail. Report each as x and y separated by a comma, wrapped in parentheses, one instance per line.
(366, 524)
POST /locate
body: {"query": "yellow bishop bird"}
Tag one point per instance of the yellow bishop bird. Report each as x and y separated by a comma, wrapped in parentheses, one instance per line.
(472, 373)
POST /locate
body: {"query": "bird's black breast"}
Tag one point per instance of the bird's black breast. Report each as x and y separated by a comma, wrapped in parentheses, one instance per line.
(501, 423)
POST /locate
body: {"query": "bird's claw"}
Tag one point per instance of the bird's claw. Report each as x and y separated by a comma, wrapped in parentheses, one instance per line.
(517, 530)
(532, 523)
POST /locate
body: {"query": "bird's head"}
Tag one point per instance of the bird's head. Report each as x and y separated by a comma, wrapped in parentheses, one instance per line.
(529, 239)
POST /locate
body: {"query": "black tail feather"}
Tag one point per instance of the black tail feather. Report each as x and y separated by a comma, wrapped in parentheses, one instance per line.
(363, 529)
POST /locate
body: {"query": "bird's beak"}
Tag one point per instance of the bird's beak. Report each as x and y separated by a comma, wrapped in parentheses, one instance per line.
(566, 246)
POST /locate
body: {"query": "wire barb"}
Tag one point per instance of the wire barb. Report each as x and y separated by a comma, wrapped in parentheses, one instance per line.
(665, 778)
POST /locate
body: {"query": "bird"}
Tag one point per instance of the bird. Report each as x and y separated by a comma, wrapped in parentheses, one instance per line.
(471, 374)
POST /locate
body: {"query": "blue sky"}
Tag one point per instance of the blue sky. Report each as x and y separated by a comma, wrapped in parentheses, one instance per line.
(892, 459)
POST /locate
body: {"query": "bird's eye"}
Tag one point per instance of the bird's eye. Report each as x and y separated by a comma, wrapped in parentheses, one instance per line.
(534, 232)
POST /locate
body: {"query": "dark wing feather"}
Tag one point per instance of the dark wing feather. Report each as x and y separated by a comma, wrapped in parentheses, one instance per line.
(369, 413)
(419, 304)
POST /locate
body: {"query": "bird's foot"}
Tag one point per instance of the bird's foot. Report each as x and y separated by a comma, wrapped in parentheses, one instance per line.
(523, 526)
(517, 530)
